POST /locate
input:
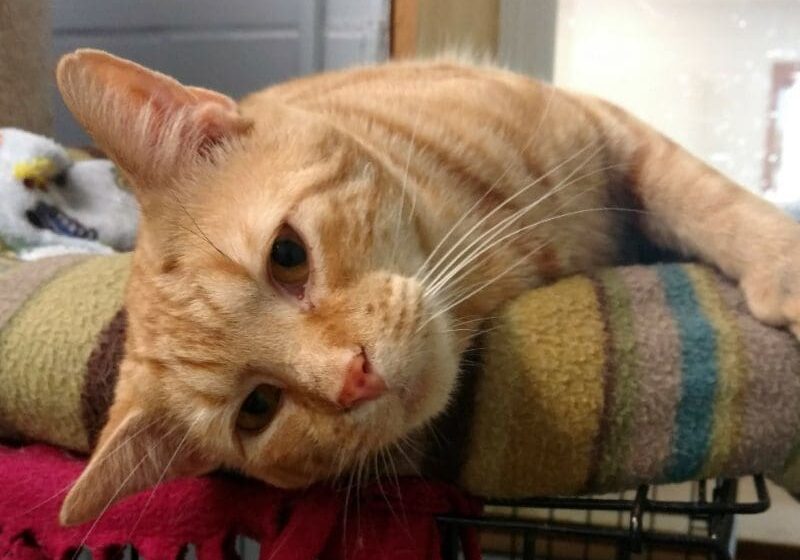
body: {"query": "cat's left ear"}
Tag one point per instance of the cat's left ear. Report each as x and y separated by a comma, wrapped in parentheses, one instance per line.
(136, 451)
(149, 123)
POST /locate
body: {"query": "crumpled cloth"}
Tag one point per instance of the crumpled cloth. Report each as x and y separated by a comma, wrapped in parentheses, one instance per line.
(392, 521)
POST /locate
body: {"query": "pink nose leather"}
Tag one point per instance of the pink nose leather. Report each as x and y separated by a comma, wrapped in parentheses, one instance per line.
(360, 383)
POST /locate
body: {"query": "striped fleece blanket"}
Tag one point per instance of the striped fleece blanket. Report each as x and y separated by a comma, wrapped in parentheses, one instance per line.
(636, 374)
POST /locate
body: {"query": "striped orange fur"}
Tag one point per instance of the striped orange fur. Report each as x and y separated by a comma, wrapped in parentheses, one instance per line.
(426, 195)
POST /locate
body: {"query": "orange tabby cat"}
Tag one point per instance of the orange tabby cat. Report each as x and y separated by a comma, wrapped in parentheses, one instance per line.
(310, 260)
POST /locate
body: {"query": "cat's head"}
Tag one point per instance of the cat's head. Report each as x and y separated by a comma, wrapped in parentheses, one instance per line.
(275, 323)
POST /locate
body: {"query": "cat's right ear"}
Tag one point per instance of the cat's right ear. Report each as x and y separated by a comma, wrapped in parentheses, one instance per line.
(148, 123)
(137, 450)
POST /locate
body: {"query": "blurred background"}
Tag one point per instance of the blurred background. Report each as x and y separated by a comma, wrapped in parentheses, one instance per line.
(719, 76)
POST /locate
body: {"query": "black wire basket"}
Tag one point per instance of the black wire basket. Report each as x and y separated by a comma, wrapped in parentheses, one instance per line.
(534, 529)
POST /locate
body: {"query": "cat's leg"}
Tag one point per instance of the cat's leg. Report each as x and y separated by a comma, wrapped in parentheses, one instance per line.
(690, 207)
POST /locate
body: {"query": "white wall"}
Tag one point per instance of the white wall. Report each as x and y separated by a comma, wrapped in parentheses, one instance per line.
(699, 70)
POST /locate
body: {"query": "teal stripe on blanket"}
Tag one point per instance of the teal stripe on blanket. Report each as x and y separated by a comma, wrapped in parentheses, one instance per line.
(695, 411)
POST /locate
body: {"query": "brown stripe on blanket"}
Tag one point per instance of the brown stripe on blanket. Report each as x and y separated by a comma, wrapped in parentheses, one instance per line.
(102, 370)
(608, 381)
(21, 282)
(447, 440)
(769, 409)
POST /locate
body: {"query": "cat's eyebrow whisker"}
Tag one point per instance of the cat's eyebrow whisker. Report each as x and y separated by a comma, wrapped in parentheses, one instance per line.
(464, 258)
(493, 211)
(117, 492)
(199, 233)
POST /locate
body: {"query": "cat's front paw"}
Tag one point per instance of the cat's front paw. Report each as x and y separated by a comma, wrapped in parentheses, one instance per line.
(772, 291)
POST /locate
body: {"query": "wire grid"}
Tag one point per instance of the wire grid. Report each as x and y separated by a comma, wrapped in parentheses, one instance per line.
(638, 524)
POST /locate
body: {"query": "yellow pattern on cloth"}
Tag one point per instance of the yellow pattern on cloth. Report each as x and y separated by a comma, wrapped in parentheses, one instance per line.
(41, 396)
(536, 384)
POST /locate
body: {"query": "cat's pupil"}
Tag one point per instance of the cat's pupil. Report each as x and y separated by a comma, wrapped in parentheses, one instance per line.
(288, 253)
(256, 404)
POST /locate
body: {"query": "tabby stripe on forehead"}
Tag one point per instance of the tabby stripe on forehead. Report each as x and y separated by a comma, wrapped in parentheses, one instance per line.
(102, 371)
(21, 282)
(621, 381)
(432, 146)
(699, 368)
(732, 366)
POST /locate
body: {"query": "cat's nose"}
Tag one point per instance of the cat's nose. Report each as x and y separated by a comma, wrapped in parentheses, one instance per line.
(361, 383)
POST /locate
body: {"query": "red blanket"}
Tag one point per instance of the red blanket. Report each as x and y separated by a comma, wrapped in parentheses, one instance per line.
(385, 522)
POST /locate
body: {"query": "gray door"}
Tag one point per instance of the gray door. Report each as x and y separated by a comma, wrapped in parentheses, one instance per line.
(234, 46)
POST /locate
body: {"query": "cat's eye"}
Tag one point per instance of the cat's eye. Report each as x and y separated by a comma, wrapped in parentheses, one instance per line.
(289, 260)
(259, 408)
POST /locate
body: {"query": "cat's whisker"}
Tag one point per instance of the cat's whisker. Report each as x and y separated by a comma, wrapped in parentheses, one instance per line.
(122, 444)
(488, 215)
(494, 241)
(161, 477)
(116, 493)
(412, 464)
(477, 203)
(505, 223)
(497, 229)
(375, 459)
(533, 226)
(483, 285)
(463, 322)
(521, 261)
(404, 186)
(349, 488)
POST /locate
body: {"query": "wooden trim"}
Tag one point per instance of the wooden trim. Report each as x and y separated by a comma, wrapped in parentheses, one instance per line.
(403, 38)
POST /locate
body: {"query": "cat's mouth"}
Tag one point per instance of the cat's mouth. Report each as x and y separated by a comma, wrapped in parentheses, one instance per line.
(45, 216)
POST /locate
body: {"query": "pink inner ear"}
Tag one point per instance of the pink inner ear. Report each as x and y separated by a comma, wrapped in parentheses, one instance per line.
(202, 117)
(216, 121)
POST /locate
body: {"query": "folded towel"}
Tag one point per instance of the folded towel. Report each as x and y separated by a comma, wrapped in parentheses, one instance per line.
(595, 383)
